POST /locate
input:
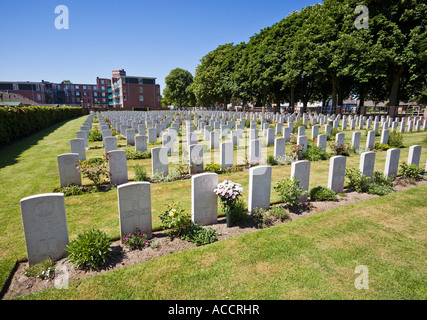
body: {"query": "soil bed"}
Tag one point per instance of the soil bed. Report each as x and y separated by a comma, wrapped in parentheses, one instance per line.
(21, 284)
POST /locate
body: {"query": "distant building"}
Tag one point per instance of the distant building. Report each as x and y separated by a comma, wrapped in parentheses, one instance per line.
(121, 92)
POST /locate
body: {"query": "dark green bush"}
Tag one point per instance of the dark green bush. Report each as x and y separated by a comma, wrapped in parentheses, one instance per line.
(95, 135)
(315, 153)
(140, 173)
(322, 194)
(213, 167)
(411, 171)
(90, 250)
(395, 140)
(20, 122)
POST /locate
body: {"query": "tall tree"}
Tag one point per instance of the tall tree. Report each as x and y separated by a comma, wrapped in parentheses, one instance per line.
(176, 92)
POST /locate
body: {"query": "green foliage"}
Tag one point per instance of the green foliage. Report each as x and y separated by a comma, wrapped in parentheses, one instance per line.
(179, 89)
(90, 250)
(271, 160)
(95, 135)
(140, 173)
(44, 270)
(289, 191)
(176, 220)
(315, 153)
(340, 149)
(137, 155)
(73, 190)
(298, 124)
(411, 171)
(247, 123)
(378, 184)
(200, 235)
(395, 139)
(322, 194)
(97, 171)
(232, 169)
(238, 212)
(261, 218)
(213, 167)
(20, 122)
(284, 160)
(136, 240)
(279, 213)
(381, 146)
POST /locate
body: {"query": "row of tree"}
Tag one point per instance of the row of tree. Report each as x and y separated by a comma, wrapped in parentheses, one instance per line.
(370, 50)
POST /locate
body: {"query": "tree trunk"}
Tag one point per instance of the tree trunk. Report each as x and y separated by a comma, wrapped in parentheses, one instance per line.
(394, 93)
(334, 81)
(292, 102)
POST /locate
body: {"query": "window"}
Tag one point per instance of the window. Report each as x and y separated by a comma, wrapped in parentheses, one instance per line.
(102, 82)
(103, 94)
(140, 81)
(15, 86)
(95, 94)
(84, 87)
(88, 87)
(103, 88)
(95, 88)
(141, 90)
(141, 98)
(124, 89)
(37, 87)
(124, 98)
(103, 100)
(78, 94)
(77, 87)
(85, 93)
(39, 97)
(158, 90)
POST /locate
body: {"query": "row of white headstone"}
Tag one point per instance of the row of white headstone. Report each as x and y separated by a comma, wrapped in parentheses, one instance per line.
(45, 223)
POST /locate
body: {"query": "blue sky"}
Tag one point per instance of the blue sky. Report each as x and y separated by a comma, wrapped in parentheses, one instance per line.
(146, 38)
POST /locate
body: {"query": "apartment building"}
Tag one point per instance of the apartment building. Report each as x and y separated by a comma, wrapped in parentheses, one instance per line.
(120, 92)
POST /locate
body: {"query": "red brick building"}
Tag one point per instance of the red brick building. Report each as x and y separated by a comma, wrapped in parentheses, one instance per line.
(121, 92)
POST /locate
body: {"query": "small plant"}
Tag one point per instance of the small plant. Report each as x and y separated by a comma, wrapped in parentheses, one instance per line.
(176, 220)
(284, 160)
(410, 171)
(381, 146)
(289, 191)
(357, 181)
(340, 149)
(296, 151)
(136, 240)
(315, 153)
(271, 160)
(279, 213)
(200, 235)
(73, 190)
(261, 218)
(95, 135)
(140, 173)
(90, 250)
(322, 194)
(137, 155)
(96, 171)
(213, 167)
(44, 270)
(378, 184)
(395, 140)
(233, 169)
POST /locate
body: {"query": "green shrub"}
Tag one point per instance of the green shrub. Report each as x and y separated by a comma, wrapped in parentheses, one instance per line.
(381, 146)
(395, 139)
(97, 171)
(140, 173)
(238, 212)
(261, 218)
(340, 149)
(90, 250)
(176, 220)
(20, 122)
(284, 160)
(137, 155)
(322, 194)
(289, 191)
(315, 153)
(357, 182)
(73, 190)
(213, 167)
(271, 160)
(378, 184)
(411, 171)
(95, 135)
(200, 235)
(279, 213)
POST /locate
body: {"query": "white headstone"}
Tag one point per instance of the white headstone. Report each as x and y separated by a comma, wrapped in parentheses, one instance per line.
(300, 170)
(367, 163)
(204, 202)
(336, 179)
(392, 162)
(259, 187)
(45, 226)
(118, 167)
(135, 208)
(69, 170)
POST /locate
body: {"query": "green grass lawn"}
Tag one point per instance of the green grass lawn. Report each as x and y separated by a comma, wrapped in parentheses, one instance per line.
(311, 258)
(29, 167)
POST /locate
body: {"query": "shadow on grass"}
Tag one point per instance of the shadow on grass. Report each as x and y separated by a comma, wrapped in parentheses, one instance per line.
(10, 153)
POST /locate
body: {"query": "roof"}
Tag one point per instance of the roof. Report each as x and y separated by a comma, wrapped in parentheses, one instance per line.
(11, 103)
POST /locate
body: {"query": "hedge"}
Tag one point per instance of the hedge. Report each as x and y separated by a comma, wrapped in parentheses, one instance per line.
(20, 122)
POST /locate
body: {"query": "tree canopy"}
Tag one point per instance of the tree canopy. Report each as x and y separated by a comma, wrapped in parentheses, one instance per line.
(368, 49)
(179, 89)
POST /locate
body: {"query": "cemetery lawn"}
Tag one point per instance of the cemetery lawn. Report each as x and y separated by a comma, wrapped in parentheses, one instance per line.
(310, 258)
(29, 167)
